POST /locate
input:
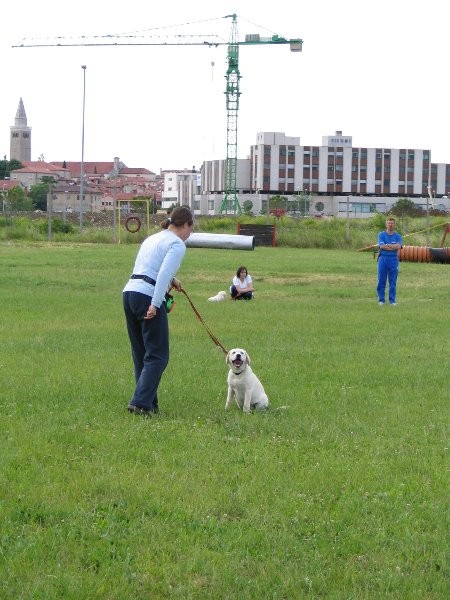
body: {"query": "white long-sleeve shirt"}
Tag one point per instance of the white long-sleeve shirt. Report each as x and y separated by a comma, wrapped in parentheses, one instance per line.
(159, 258)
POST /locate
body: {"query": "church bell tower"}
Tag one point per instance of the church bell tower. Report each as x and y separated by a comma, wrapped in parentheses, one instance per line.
(20, 140)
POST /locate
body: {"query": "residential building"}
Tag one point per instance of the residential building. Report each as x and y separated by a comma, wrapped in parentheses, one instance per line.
(180, 188)
(279, 164)
(32, 172)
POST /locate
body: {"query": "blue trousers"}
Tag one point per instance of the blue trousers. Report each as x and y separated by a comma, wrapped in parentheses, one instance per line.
(149, 341)
(387, 271)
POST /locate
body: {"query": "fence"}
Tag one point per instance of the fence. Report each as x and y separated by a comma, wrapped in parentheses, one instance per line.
(265, 235)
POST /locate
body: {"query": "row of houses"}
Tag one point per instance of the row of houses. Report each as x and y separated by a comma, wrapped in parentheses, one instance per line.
(277, 164)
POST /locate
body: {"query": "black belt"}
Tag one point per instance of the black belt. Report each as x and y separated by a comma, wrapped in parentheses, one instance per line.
(146, 278)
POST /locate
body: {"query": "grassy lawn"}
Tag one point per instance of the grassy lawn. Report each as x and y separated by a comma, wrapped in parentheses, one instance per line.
(340, 490)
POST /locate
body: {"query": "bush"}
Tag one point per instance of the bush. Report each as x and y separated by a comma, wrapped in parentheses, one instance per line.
(58, 226)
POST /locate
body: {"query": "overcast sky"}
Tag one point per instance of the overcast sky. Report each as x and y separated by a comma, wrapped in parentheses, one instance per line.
(376, 70)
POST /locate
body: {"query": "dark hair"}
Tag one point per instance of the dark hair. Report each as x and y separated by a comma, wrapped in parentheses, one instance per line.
(238, 272)
(178, 217)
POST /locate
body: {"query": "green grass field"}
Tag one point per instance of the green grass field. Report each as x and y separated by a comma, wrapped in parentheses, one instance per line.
(340, 490)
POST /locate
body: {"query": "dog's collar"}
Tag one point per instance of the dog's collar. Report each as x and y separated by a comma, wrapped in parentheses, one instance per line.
(240, 372)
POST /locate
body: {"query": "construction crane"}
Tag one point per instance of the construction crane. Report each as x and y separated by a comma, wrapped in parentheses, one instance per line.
(230, 203)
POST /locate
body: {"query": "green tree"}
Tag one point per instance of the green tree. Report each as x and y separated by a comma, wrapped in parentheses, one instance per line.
(247, 207)
(403, 206)
(278, 202)
(18, 200)
(48, 179)
(6, 166)
(38, 194)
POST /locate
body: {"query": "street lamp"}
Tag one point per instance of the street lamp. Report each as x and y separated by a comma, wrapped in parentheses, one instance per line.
(82, 150)
(429, 197)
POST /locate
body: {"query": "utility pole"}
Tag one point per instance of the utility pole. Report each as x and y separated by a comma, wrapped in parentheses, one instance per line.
(348, 218)
(429, 197)
(82, 150)
(49, 210)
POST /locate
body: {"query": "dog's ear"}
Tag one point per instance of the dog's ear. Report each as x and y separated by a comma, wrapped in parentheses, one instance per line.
(248, 358)
(227, 359)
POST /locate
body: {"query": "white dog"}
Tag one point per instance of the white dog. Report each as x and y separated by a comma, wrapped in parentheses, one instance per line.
(243, 385)
(218, 297)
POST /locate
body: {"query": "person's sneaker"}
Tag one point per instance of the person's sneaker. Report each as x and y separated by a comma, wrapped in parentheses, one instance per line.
(136, 410)
(393, 303)
(381, 303)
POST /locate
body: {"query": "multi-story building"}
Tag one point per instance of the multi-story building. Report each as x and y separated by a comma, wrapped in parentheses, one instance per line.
(279, 164)
(180, 188)
(374, 177)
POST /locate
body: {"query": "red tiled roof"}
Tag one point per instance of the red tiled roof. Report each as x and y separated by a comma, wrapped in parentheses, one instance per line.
(39, 163)
(90, 168)
(39, 166)
(130, 196)
(8, 184)
(99, 168)
(130, 170)
(36, 169)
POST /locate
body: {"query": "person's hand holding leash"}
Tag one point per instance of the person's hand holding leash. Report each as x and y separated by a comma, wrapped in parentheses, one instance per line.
(176, 283)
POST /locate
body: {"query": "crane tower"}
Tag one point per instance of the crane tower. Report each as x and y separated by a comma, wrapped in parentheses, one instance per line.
(230, 203)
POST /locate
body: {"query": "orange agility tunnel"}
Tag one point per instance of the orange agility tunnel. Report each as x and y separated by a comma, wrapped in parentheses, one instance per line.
(424, 254)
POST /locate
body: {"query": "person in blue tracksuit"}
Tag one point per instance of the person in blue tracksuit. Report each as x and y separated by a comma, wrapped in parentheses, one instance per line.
(389, 243)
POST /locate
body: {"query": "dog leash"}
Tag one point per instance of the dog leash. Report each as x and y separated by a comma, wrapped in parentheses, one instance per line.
(210, 333)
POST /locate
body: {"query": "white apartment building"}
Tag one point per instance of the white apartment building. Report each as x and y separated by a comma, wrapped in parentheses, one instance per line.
(279, 164)
(374, 177)
(180, 188)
